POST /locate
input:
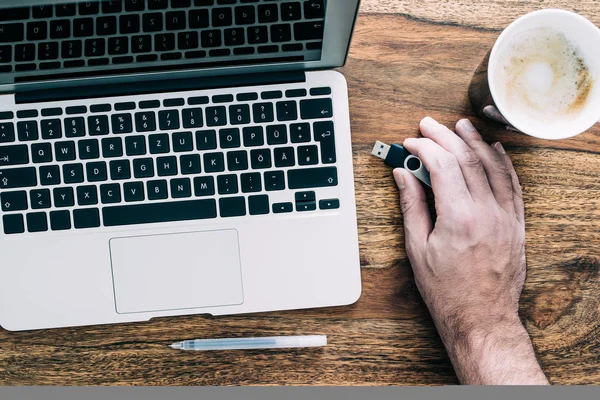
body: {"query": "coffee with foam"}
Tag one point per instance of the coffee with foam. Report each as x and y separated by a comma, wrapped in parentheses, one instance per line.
(543, 76)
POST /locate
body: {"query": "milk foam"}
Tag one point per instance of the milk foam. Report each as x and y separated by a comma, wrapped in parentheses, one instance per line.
(542, 76)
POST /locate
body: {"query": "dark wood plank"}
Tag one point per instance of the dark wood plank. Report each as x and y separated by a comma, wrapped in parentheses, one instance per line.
(401, 68)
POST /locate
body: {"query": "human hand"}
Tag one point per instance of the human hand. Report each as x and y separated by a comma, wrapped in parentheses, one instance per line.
(470, 266)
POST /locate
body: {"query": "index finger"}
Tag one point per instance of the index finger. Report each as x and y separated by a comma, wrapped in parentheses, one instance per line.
(447, 180)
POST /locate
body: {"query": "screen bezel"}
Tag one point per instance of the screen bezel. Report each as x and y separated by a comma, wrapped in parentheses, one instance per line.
(340, 18)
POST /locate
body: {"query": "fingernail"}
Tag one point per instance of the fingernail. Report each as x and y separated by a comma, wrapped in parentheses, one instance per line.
(399, 177)
(489, 112)
(429, 121)
(499, 148)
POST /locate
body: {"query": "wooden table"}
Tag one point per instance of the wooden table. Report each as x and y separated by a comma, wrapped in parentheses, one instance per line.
(403, 66)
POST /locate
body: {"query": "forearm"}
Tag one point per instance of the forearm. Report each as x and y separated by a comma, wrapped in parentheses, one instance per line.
(502, 355)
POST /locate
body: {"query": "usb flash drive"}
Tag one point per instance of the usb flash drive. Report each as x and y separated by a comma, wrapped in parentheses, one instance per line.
(397, 156)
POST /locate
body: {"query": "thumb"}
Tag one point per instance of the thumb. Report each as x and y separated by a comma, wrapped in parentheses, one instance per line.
(413, 203)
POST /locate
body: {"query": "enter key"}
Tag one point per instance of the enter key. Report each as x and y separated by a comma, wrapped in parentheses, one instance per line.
(325, 135)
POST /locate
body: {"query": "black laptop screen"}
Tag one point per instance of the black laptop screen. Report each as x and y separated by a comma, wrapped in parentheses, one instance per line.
(55, 40)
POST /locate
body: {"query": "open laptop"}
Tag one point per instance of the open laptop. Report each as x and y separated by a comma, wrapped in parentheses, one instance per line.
(173, 157)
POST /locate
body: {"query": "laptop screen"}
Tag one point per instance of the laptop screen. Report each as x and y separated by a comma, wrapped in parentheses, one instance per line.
(51, 41)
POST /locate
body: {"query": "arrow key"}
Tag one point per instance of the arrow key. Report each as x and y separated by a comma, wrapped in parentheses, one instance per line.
(14, 201)
(315, 109)
(331, 204)
(40, 199)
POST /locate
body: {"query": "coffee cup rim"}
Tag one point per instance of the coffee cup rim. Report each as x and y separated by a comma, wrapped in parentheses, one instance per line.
(494, 54)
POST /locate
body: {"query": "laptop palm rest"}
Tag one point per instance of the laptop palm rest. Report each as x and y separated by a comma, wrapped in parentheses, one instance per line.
(176, 271)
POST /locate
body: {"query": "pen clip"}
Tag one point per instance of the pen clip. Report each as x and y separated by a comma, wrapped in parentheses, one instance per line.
(415, 166)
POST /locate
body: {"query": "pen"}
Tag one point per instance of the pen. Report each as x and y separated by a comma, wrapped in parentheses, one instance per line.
(275, 342)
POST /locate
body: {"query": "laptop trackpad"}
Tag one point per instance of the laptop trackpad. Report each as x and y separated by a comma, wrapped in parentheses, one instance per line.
(177, 271)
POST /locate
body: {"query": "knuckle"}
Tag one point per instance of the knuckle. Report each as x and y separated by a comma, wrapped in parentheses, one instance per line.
(446, 161)
(469, 158)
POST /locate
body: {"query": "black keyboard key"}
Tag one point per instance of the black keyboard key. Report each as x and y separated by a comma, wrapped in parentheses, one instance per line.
(164, 42)
(143, 168)
(98, 125)
(159, 212)
(49, 175)
(141, 44)
(152, 22)
(242, 51)
(192, 118)
(112, 6)
(83, 27)
(14, 155)
(234, 37)
(158, 4)
(181, 3)
(223, 98)
(173, 102)
(190, 164)
(121, 123)
(88, 7)
(222, 17)
(204, 186)
(166, 166)
(4, 115)
(51, 112)
(41, 152)
(245, 15)
(292, 47)
(27, 113)
(308, 155)
(65, 151)
(10, 33)
(60, 220)
(306, 206)
(211, 38)
(95, 47)
(199, 19)
(312, 178)
(295, 93)
(96, 171)
(181, 188)
(305, 196)
(253, 136)
(73, 173)
(247, 97)
(309, 31)
(274, 180)
(291, 11)
(331, 204)
(175, 21)
(260, 159)
(258, 205)
(118, 45)
(268, 13)
(263, 112)
(229, 138)
(214, 162)
(88, 149)
(145, 121)
(119, 170)
(65, 10)
(300, 133)
(13, 201)
(106, 26)
(284, 157)
(135, 145)
(110, 193)
(40, 199)
(251, 183)
(133, 191)
(187, 40)
(7, 132)
(14, 14)
(314, 9)
(314, 109)
(324, 133)
(168, 120)
(232, 207)
(27, 130)
(17, 178)
(63, 197)
(170, 56)
(287, 111)
(258, 35)
(42, 11)
(183, 141)
(216, 116)
(24, 67)
(159, 144)
(129, 23)
(274, 94)
(87, 195)
(60, 29)
(237, 160)
(37, 222)
(74, 127)
(276, 134)
(192, 101)
(240, 114)
(281, 33)
(125, 106)
(320, 91)
(281, 208)
(135, 5)
(13, 224)
(206, 140)
(86, 218)
(37, 30)
(51, 129)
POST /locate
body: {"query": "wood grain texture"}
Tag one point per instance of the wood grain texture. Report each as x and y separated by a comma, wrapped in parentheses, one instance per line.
(401, 68)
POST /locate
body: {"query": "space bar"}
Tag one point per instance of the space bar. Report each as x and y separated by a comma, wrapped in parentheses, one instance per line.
(159, 212)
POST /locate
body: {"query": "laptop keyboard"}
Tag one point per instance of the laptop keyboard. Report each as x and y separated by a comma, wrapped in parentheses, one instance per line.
(149, 161)
(120, 32)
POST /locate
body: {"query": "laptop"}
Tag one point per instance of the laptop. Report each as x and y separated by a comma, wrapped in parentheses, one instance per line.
(174, 157)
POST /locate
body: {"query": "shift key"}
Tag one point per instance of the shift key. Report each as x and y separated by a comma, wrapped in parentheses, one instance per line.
(13, 155)
(17, 178)
(312, 178)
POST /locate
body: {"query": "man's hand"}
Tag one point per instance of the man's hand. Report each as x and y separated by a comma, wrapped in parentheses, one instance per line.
(470, 266)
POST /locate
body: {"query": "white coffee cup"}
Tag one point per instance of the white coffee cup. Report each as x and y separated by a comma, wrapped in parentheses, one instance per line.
(580, 32)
